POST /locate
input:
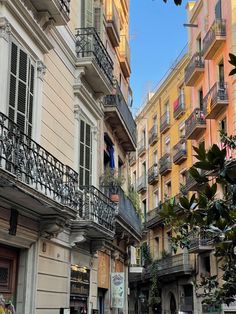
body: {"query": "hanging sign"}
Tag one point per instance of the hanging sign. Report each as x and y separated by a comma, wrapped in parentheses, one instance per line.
(117, 290)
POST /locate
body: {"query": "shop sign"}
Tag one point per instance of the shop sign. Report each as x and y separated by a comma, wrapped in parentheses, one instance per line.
(211, 309)
(117, 290)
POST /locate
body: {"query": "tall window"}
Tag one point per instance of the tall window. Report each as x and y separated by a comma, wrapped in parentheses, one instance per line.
(85, 154)
(200, 99)
(21, 90)
(167, 145)
(221, 73)
(144, 203)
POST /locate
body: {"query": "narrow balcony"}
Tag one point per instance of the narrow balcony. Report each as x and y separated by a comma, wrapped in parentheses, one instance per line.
(119, 117)
(96, 216)
(153, 174)
(216, 100)
(113, 22)
(141, 147)
(142, 184)
(200, 242)
(165, 164)
(94, 58)
(179, 107)
(32, 179)
(153, 216)
(175, 266)
(180, 152)
(165, 122)
(124, 56)
(132, 158)
(191, 184)
(194, 69)
(153, 135)
(195, 125)
(214, 39)
(59, 10)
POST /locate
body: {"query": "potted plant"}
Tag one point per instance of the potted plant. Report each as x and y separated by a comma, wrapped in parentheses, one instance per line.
(111, 181)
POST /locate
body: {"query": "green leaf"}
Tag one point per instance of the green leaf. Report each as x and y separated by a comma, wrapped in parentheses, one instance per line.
(232, 59)
(205, 165)
(232, 72)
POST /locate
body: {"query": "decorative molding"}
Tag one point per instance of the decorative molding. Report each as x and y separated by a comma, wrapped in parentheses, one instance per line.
(94, 130)
(41, 70)
(77, 238)
(5, 29)
(51, 226)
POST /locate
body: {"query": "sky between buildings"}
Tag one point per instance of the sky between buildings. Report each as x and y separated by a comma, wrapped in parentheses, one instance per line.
(157, 36)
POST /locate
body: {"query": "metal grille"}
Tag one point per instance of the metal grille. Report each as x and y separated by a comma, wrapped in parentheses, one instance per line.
(4, 274)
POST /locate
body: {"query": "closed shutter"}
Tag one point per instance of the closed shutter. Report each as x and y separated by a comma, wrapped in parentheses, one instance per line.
(87, 13)
(85, 154)
(218, 11)
(21, 90)
(98, 21)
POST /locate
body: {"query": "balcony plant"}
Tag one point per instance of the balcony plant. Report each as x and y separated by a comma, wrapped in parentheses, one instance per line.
(112, 181)
(6, 307)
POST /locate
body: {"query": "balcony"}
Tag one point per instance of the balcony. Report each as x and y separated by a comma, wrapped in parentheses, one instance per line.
(142, 184)
(59, 10)
(153, 135)
(194, 69)
(200, 242)
(119, 117)
(141, 147)
(113, 23)
(180, 152)
(153, 174)
(214, 39)
(96, 215)
(175, 266)
(195, 125)
(216, 100)
(179, 107)
(94, 59)
(165, 164)
(153, 216)
(165, 122)
(191, 184)
(132, 158)
(124, 56)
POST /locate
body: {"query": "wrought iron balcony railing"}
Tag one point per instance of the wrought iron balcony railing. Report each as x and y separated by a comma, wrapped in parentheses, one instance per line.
(180, 152)
(89, 44)
(153, 174)
(36, 167)
(142, 183)
(179, 106)
(194, 69)
(153, 216)
(132, 158)
(165, 122)
(113, 22)
(216, 100)
(165, 164)
(200, 242)
(153, 135)
(97, 207)
(125, 115)
(191, 184)
(175, 264)
(195, 124)
(214, 37)
(141, 146)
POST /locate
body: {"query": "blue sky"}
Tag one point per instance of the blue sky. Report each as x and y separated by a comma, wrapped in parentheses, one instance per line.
(157, 36)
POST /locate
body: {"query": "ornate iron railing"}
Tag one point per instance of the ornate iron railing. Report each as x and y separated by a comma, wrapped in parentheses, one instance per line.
(217, 94)
(153, 213)
(174, 264)
(65, 5)
(165, 163)
(142, 183)
(36, 167)
(153, 134)
(153, 173)
(89, 44)
(119, 102)
(165, 121)
(195, 62)
(180, 150)
(97, 207)
(180, 107)
(202, 238)
(218, 28)
(196, 118)
(141, 146)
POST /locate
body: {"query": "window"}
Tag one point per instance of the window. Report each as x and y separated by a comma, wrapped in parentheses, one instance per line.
(155, 159)
(85, 154)
(21, 93)
(169, 246)
(144, 205)
(206, 266)
(138, 256)
(134, 180)
(167, 145)
(200, 99)
(155, 199)
(144, 168)
(199, 44)
(168, 190)
(167, 107)
(87, 13)
(182, 130)
(155, 123)
(181, 96)
(221, 73)
(156, 247)
(223, 125)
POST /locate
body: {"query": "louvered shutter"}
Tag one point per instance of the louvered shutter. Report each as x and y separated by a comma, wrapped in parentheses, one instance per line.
(98, 20)
(87, 13)
(85, 153)
(21, 89)
(218, 11)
